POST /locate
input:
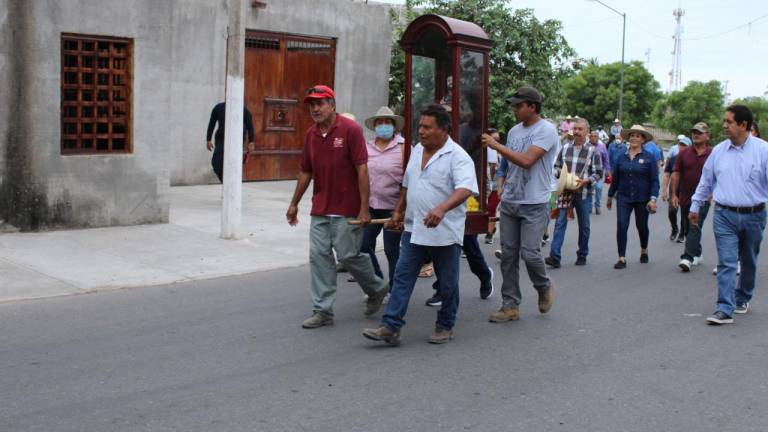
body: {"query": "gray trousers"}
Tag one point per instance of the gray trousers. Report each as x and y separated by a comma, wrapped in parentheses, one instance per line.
(335, 233)
(522, 226)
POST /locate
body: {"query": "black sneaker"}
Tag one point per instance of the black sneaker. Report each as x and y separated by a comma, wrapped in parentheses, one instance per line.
(435, 300)
(719, 318)
(580, 261)
(620, 265)
(487, 290)
(644, 258)
(741, 308)
(551, 262)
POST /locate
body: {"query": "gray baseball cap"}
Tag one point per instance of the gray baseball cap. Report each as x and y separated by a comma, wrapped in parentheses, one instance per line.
(701, 127)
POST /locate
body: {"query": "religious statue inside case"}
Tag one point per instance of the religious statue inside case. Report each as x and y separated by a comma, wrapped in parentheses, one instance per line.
(446, 62)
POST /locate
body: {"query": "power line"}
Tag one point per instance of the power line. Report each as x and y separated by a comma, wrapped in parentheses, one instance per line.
(746, 24)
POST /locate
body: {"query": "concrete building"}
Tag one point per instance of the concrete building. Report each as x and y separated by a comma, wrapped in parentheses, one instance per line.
(106, 102)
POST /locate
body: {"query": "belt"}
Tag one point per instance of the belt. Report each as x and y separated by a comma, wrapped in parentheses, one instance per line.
(743, 210)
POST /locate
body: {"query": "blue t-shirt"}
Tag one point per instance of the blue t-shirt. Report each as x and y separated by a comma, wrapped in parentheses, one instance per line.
(653, 148)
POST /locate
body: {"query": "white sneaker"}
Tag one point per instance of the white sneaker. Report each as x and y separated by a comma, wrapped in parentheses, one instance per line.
(497, 253)
(714, 271)
(697, 260)
(685, 265)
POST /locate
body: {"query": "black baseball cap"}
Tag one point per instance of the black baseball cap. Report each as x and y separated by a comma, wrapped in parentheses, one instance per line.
(524, 94)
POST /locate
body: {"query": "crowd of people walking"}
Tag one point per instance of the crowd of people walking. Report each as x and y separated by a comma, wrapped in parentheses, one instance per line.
(538, 173)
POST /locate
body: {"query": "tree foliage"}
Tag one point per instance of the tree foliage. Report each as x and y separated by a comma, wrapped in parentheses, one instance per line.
(593, 93)
(759, 107)
(697, 101)
(526, 51)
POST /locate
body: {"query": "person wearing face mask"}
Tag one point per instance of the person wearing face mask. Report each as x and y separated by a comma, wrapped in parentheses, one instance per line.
(385, 171)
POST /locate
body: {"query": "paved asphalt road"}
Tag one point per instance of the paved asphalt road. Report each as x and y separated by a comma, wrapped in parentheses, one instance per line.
(620, 351)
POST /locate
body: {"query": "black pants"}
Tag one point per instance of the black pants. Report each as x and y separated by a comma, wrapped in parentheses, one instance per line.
(217, 161)
(672, 214)
(623, 212)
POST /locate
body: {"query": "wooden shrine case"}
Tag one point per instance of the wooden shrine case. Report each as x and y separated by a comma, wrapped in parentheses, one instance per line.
(438, 50)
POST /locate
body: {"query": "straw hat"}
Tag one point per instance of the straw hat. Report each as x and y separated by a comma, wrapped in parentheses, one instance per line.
(567, 181)
(385, 113)
(637, 129)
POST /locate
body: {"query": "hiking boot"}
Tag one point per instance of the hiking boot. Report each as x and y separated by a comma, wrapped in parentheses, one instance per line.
(719, 318)
(383, 334)
(317, 320)
(546, 299)
(440, 336)
(373, 304)
(505, 314)
(580, 261)
(551, 262)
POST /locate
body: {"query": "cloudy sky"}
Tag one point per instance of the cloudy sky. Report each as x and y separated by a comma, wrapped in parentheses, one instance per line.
(718, 43)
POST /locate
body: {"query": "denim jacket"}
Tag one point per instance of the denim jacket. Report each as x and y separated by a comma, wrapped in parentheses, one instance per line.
(635, 180)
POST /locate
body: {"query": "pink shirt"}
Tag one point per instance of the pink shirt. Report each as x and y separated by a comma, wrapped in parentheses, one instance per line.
(385, 170)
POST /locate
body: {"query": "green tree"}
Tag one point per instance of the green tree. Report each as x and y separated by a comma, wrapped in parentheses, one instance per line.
(593, 93)
(697, 101)
(759, 107)
(526, 51)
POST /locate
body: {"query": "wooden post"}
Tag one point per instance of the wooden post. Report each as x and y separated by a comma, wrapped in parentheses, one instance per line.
(232, 196)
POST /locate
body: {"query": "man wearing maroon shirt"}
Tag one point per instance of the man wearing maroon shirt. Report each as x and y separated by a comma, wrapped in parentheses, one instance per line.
(685, 178)
(335, 160)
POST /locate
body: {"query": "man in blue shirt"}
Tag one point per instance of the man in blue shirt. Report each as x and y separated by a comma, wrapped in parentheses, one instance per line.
(616, 149)
(736, 175)
(432, 209)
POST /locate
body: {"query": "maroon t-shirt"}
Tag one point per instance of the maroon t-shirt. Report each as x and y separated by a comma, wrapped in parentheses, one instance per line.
(689, 164)
(333, 162)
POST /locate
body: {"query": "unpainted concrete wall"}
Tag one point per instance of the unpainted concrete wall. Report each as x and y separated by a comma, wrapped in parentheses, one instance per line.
(363, 34)
(47, 190)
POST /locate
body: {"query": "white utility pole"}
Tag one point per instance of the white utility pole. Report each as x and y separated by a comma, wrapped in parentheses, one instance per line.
(675, 75)
(232, 196)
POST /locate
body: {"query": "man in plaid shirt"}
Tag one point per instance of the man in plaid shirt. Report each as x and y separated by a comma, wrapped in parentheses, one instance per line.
(583, 160)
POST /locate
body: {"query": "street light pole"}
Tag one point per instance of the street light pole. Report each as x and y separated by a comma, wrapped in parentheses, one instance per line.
(623, 45)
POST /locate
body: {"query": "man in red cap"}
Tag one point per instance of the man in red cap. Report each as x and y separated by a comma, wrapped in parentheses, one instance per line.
(335, 158)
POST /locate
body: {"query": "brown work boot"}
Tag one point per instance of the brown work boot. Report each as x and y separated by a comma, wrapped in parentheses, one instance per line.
(317, 320)
(440, 336)
(546, 299)
(373, 304)
(505, 314)
(383, 334)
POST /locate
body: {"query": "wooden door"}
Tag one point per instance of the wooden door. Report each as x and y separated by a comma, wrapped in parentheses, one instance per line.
(279, 68)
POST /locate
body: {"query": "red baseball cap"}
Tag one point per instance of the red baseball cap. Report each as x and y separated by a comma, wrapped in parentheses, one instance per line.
(319, 92)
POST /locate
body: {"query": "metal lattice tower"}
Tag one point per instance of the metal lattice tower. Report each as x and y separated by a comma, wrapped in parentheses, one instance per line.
(675, 75)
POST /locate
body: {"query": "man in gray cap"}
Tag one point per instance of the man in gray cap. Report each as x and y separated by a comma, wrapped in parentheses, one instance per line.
(686, 174)
(530, 152)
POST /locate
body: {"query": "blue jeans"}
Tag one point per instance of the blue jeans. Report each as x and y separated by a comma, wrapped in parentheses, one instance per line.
(598, 193)
(476, 261)
(738, 238)
(445, 259)
(583, 208)
(623, 213)
(391, 244)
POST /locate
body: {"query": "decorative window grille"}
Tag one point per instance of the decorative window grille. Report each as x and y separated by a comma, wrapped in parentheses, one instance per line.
(311, 46)
(96, 88)
(263, 43)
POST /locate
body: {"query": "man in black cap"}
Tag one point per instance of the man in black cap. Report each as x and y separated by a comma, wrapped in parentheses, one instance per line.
(531, 149)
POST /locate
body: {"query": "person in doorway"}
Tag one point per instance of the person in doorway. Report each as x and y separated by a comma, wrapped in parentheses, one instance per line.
(439, 178)
(677, 235)
(532, 146)
(635, 185)
(736, 175)
(335, 160)
(218, 116)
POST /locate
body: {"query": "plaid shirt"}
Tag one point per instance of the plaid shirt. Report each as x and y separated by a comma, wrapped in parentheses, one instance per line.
(589, 164)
